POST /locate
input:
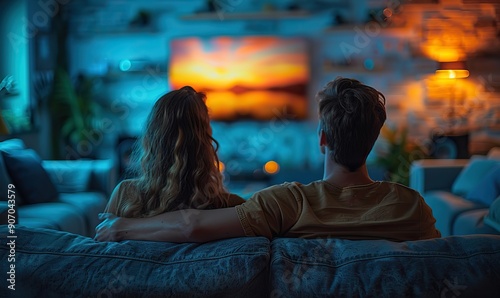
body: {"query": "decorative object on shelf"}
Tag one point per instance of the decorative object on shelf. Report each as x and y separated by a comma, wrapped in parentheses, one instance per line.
(127, 65)
(268, 7)
(369, 64)
(141, 19)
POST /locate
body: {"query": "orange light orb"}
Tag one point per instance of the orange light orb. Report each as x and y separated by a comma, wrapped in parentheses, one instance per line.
(222, 166)
(271, 167)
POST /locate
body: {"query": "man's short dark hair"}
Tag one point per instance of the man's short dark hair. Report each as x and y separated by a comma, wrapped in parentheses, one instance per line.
(351, 115)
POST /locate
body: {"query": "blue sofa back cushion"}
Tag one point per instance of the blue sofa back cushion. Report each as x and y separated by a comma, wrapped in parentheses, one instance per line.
(57, 264)
(446, 267)
(488, 189)
(29, 177)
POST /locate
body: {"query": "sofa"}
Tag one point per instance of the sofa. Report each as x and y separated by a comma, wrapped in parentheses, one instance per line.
(50, 263)
(64, 195)
(460, 192)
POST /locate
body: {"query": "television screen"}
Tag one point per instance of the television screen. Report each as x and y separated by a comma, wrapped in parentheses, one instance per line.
(252, 77)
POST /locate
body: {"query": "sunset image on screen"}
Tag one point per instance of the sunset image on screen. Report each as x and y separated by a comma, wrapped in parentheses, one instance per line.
(244, 77)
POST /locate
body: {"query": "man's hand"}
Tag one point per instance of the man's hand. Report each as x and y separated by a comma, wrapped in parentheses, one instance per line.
(108, 230)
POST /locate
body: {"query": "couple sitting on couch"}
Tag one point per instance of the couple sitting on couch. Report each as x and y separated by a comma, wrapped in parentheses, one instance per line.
(179, 195)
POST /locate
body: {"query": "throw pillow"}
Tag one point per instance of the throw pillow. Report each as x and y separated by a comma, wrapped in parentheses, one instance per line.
(472, 175)
(493, 217)
(30, 178)
(488, 189)
(69, 175)
(12, 144)
(5, 181)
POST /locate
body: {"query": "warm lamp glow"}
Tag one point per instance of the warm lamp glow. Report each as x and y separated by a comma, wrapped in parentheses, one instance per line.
(435, 51)
(222, 166)
(271, 167)
(452, 70)
(452, 74)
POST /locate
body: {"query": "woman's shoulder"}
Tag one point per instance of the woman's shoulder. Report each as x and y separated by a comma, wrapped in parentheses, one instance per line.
(127, 186)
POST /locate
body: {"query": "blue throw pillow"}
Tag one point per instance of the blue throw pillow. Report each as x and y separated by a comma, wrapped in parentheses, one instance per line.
(472, 175)
(5, 181)
(29, 177)
(488, 189)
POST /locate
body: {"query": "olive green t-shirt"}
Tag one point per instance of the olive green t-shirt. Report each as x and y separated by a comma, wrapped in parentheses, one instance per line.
(379, 210)
(127, 191)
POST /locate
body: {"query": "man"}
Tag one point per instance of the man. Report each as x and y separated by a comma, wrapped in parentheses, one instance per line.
(346, 203)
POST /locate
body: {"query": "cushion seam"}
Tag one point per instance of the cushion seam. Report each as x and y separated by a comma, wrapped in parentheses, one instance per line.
(136, 258)
(364, 259)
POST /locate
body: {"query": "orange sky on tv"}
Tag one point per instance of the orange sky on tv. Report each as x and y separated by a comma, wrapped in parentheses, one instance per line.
(255, 62)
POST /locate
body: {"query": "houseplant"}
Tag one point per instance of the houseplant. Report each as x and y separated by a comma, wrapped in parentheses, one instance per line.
(75, 113)
(396, 154)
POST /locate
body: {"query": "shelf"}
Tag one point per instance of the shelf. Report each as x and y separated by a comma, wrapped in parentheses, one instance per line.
(116, 32)
(120, 76)
(272, 15)
(349, 28)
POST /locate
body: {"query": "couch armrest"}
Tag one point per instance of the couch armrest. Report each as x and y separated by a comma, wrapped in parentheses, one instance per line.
(435, 174)
(102, 174)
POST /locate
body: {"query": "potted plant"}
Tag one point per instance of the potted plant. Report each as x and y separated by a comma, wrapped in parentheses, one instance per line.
(75, 112)
(397, 153)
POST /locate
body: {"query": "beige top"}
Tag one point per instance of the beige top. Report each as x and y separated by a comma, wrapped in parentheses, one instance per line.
(127, 191)
(380, 210)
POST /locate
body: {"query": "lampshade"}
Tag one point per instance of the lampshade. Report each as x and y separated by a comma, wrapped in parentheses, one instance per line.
(452, 70)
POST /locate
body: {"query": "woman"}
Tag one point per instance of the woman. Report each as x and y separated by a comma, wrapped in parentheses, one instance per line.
(179, 167)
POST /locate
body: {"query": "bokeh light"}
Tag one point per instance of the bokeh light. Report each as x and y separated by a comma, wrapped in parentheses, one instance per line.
(271, 167)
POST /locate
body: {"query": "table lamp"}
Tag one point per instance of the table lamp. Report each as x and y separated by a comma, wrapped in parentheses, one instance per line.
(452, 70)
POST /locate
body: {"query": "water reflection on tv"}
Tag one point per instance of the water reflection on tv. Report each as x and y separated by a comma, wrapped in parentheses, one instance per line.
(253, 77)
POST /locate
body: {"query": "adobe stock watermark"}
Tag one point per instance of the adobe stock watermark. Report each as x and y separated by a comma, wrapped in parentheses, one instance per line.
(296, 278)
(117, 284)
(48, 9)
(364, 35)
(452, 289)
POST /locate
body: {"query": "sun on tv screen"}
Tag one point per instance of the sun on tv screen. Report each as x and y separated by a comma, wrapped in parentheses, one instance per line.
(252, 77)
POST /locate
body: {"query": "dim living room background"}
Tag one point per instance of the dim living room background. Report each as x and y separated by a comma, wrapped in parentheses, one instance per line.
(79, 77)
(83, 75)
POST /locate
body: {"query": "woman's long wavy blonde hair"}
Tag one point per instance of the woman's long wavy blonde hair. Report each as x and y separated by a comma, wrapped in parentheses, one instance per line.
(179, 167)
